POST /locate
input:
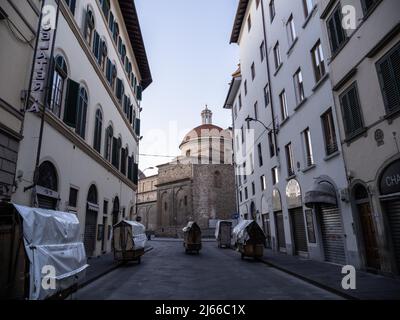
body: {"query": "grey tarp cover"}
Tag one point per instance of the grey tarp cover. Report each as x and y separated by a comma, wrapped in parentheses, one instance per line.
(52, 238)
(190, 225)
(239, 233)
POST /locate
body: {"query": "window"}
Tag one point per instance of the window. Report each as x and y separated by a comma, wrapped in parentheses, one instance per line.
(105, 207)
(291, 30)
(318, 61)
(388, 68)
(351, 111)
(72, 5)
(108, 143)
(263, 183)
(81, 112)
(244, 172)
(262, 51)
(253, 188)
(309, 158)
(245, 87)
(242, 132)
(120, 90)
(256, 110)
(328, 126)
(111, 23)
(98, 129)
(368, 5)
(249, 23)
(298, 86)
(283, 104)
(251, 163)
(308, 6)
(124, 157)
(246, 193)
(96, 47)
(260, 157)
(271, 144)
(116, 152)
(240, 196)
(272, 10)
(253, 71)
(337, 35)
(275, 176)
(73, 198)
(111, 73)
(116, 32)
(89, 26)
(277, 56)
(57, 91)
(289, 159)
(105, 6)
(266, 95)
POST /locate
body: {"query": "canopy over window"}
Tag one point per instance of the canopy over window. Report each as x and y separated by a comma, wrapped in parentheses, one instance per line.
(322, 192)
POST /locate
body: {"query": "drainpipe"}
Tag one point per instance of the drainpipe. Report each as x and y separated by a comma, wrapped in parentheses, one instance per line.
(269, 82)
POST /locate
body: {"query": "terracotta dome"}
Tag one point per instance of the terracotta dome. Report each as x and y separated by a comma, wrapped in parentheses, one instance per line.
(204, 130)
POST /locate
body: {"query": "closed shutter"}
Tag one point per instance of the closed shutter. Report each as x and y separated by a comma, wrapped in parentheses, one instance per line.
(130, 168)
(332, 235)
(393, 214)
(299, 230)
(90, 232)
(123, 161)
(111, 23)
(115, 153)
(351, 111)
(389, 75)
(46, 202)
(137, 127)
(280, 231)
(139, 93)
(119, 92)
(135, 173)
(71, 103)
(96, 46)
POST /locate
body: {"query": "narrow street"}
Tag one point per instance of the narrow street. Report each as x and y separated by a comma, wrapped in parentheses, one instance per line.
(167, 272)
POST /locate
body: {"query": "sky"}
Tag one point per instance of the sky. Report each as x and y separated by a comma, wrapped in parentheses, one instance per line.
(191, 60)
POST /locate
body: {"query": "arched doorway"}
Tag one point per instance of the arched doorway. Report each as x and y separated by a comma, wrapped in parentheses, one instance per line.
(278, 217)
(115, 211)
(92, 209)
(295, 207)
(389, 189)
(361, 200)
(47, 186)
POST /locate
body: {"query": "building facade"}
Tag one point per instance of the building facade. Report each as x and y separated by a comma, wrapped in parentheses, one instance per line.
(364, 55)
(89, 148)
(18, 28)
(291, 174)
(198, 185)
(147, 202)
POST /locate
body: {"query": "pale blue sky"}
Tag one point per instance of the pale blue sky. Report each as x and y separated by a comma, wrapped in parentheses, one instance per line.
(187, 43)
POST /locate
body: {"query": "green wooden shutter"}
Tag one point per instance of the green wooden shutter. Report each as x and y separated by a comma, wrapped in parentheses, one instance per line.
(135, 173)
(351, 111)
(139, 93)
(137, 127)
(71, 103)
(119, 89)
(114, 159)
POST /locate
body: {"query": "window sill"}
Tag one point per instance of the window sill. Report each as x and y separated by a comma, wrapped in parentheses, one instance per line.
(308, 18)
(337, 52)
(331, 156)
(284, 121)
(362, 133)
(277, 69)
(309, 168)
(320, 82)
(292, 46)
(293, 176)
(300, 104)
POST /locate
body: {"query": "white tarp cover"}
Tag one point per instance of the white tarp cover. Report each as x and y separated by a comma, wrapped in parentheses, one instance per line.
(52, 239)
(239, 233)
(138, 233)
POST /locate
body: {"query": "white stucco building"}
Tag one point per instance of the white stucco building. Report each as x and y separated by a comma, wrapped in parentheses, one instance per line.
(364, 71)
(294, 183)
(89, 151)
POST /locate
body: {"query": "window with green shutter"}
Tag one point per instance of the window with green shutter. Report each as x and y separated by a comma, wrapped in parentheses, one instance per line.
(351, 112)
(388, 68)
(137, 127)
(97, 47)
(139, 92)
(71, 103)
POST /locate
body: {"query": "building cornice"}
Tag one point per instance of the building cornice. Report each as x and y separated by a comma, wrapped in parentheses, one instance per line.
(237, 25)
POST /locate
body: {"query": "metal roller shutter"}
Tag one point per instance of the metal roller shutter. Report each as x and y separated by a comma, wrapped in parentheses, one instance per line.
(299, 230)
(332, 235)
(280, 231)
(393, 214)
(90, 232)
(46, 202)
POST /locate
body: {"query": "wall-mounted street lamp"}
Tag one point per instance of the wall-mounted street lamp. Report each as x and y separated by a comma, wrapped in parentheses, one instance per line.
(249, 119)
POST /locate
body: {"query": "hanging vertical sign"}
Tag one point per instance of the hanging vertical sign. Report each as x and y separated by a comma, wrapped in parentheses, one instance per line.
(43, 56)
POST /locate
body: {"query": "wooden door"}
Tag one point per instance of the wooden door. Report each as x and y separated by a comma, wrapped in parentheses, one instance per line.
(369, 236)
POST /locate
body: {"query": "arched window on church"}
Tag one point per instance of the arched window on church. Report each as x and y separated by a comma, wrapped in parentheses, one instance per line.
(188, 153)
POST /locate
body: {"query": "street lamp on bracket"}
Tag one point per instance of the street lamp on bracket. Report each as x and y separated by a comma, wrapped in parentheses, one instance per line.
(249, 119)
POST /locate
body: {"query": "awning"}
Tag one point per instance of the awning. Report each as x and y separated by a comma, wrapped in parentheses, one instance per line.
(322, 193)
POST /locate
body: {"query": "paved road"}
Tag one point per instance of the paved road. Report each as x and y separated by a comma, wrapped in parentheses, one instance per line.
(216, 274)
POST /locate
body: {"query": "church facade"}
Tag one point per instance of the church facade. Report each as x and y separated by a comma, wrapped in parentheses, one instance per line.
(199, 185)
